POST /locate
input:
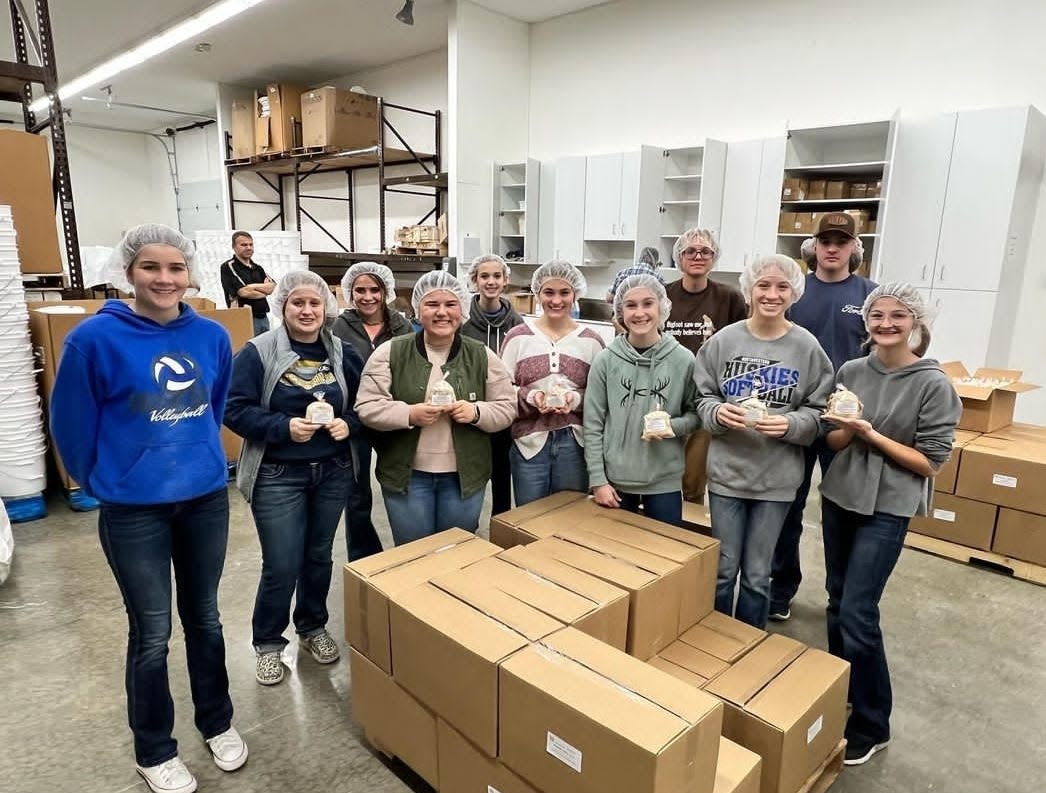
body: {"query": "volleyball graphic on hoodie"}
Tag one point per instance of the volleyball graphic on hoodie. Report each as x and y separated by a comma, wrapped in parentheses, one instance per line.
(174, 373)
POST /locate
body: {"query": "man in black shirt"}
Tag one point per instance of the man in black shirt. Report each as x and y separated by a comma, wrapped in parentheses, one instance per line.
(246, 283)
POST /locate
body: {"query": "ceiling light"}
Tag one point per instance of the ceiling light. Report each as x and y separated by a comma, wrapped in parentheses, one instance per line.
(406, 14)
(172, 37)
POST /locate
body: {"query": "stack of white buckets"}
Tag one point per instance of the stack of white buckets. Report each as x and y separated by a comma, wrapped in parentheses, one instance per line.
(22, 441)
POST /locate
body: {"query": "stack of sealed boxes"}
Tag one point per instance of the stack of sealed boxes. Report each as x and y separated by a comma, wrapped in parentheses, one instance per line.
(580, 653)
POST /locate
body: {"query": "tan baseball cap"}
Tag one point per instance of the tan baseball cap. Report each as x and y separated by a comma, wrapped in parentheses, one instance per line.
(837, 221)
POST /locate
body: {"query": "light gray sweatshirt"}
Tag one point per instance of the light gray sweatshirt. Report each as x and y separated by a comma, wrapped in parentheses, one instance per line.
(915, 405)
(793, 376)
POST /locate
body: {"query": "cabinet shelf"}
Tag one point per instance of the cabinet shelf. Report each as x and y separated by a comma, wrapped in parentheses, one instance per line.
(821, 202)
(512, 236)
(596, 262)
(519, 185)
(690, 202)
(512, 211)
(870, 167)
(867, 236)
(686, 177)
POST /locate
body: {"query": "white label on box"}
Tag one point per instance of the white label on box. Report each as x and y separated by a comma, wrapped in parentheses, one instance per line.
(563, 751)
(943, 514)
(1004, 481)
(814, 729)
(492, 789)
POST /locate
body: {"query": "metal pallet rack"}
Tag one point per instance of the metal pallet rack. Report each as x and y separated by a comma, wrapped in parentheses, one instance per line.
(16, 85)
(302, 163)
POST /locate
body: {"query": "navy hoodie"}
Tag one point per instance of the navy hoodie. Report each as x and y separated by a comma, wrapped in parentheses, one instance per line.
(137, 406)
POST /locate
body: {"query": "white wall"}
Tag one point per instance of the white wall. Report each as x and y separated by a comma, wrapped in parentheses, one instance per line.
(489, 85)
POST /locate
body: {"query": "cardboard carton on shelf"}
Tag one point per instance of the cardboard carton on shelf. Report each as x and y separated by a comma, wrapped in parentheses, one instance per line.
(578, 716)
(723, 637)
(875, 189)
(464, 768)
(242, 128)
(26, 187)
(817, 190)
(787, 223)
(858, 189)
(275, 111)
(787, 703)
(959, 520)
(1007, 472)
(738, 770)
(370, 582)
(837, 189)
(860, 217)
(988, 395)
(336, 118)
(794, 189)
(392, 719)
(1021, 535)
(944, 482)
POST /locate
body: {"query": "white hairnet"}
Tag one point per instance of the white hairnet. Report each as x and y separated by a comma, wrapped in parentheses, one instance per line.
(691, 236)
(382, 273)
(808, 252)
(651, 257)
(304, 279)
(439, 280)
(642, 281)
(563, 271)
(134, 239)
(789, 269)
(472, 273)
(905, 294)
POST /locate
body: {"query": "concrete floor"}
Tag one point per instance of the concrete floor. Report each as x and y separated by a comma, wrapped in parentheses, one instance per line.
(967, 648)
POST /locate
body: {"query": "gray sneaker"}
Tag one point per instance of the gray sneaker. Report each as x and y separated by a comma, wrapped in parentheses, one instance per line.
(781, 615)
(269, 669)
(321, 647)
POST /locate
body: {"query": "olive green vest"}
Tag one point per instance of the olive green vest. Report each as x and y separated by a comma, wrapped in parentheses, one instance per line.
(466, 371)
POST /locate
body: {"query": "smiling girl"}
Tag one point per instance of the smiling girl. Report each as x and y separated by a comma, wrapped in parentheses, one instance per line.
(755, 461)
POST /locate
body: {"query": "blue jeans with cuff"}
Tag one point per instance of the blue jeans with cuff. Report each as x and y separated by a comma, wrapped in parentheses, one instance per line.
(560, 465)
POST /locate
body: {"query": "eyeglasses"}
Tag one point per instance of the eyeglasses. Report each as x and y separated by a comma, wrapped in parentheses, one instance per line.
(698, 253)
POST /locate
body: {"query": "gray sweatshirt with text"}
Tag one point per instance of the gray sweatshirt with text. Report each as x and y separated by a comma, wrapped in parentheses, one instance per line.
(915, 405)
(793, 376)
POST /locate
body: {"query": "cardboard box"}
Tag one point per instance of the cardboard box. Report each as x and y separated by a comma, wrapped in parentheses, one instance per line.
(944, 482)
(342, 119)
(860, 217)
(507, 530)
(807, 221)
(871, 226)
(836, 189)
(242, 128)
(689, 664)
(786, 703)
(465, 769)
(875, 189)
(448, 639)
(988, 401)
(738, 770)
(858, 189)
(370, 582)
(723, 637)
(1020, 432)
(276, 111)
(26, 187)
(605, 615)
(970, 523)
(786, 224)
(578, 716)
(392, 720)
(817, 190)
(654, 584)
(1021, 536)
(794, 189)
(1006, 472)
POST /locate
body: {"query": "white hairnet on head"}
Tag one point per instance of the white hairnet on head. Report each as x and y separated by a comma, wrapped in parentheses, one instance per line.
(649, 257)
(304, 279)
(777, 261)
(472, 273)
(134, 239)
(691, 236)
(381, 273)
(642, 281)
(905, 294)
(563, 271)
(808, 252)
(439, 280)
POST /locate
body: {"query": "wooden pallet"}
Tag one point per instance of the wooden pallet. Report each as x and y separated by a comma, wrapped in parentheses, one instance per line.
(1018, 568)
(299, 151)
(238, 161)
(421, 250)
(825, 776)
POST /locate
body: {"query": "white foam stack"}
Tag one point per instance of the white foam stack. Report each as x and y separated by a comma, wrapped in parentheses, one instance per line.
(22, 440)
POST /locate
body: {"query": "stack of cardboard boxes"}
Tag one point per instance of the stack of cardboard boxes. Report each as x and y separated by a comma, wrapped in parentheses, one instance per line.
(802, 189)
(989, 497)
(582, 656)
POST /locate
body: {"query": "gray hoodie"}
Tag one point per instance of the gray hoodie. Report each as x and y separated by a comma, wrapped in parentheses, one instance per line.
(915, 405)
(793, 376)
(491, 330)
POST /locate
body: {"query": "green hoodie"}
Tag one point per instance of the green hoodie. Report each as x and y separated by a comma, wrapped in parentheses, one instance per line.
(623, 386)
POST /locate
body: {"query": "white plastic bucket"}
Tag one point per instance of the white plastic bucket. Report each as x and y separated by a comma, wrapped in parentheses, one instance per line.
(25, 478)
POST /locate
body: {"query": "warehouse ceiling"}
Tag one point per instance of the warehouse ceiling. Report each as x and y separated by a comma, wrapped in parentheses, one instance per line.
(297, 41)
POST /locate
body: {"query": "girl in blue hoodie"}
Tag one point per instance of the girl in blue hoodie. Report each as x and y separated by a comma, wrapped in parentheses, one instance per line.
(640, 405)
(136, 413)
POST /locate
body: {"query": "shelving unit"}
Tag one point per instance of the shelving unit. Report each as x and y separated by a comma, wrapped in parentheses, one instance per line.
(691, 192)
(516, 195)
(854, 153)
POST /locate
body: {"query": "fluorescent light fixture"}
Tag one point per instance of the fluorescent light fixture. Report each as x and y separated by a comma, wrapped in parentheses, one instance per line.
(160, 43)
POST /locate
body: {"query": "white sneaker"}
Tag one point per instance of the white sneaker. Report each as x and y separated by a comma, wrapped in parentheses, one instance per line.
(169, 777)
(228, 749)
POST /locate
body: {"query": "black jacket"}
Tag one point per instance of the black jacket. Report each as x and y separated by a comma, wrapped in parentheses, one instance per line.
(349, 327)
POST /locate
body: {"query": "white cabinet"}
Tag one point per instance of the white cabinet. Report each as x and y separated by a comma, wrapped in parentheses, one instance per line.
(569, 221)
(961, 331)
(516, 194)
(751, 194)
(611, 196)
(689, 192)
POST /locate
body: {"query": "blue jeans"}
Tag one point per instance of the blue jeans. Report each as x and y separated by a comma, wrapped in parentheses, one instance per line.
(141, 543)
(361, 538)
(432, 503)
(665, 507)
(860, 552)
(747, 530)
(261, 324)
(296, 508)
(786, 573)
(560, 465)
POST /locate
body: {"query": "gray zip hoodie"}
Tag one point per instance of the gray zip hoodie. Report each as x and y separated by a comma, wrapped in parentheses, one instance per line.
(793, 376)
(491, 330)
(915, 405)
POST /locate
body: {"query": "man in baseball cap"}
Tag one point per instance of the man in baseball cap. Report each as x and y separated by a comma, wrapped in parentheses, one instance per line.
(830, 308)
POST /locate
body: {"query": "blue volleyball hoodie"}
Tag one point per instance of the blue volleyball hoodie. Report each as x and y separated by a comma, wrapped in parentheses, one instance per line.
(137, 406)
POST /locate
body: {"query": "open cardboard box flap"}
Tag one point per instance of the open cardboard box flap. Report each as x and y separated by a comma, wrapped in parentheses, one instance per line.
(955, 369)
